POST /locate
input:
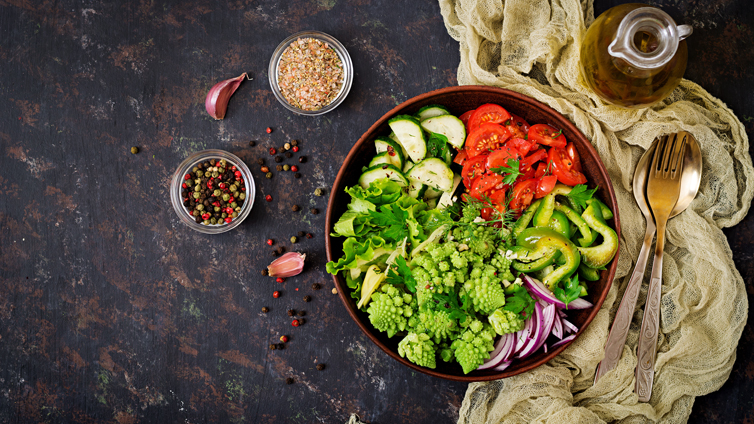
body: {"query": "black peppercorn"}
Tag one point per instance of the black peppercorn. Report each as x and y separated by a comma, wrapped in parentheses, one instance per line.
(316, 286)
(302, 159)
(252, 143)
(265, 272)
(301, 313)
(294, 142)
(265, 309)
(288, 155)
(275, 253)
(297, 175)
(301, 233)
(295, 208)
(288, 380)
(273, 346)
(291, 312)
(320, 367)
(279, 168)
(281, 250)
(307, 298)
(314, 211)
(278, 159)
(260, 161)
(280, 346)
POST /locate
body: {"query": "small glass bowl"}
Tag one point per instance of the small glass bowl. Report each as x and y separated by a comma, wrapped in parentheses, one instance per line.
(186, 166)
(339, 49)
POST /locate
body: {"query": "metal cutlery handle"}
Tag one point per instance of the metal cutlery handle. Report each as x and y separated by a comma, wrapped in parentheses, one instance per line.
(622, 321)
(650, 324)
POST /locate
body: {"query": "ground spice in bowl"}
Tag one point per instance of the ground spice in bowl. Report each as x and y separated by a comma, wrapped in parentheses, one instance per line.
(310, 74)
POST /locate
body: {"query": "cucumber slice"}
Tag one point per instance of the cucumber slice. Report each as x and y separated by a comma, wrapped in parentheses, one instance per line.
(382, 171)
(416, 189)
(385, 157)
(432, 172)
(449, 126)
(407, 166)
(385, 144)
(431, 111)
(431, 193)
(446, 199)
(431, 203)
(411, 136)
(394, 137)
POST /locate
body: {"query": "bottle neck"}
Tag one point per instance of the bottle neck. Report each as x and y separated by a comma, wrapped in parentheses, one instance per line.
(647, 38)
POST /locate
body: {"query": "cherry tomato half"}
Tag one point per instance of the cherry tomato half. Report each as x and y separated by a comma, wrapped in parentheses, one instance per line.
(547, 135)
(545, 184)
(574, 156)
(523, 146)
(465, 119)
(460, 157)
(523, 193)
(486, 138)
(499, 158)
(562, 167)
(485, 183)
(541, 170)
(472, 169)
(529, 161)
(489, 113)
(517, 126)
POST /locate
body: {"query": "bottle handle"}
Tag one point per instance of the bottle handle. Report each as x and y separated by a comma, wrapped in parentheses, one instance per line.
(684, 31)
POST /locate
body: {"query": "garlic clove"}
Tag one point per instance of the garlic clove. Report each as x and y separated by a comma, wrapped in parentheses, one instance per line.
(288, 265)
(217, 99)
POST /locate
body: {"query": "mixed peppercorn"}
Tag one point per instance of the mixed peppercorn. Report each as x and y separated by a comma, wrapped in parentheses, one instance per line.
(213, 192)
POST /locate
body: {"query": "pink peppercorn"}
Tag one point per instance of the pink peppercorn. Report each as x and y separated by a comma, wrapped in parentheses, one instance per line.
(294, 148)
(295, 323)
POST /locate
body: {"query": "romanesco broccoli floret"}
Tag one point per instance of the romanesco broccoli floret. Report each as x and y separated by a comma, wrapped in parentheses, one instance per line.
(388, 310)
(505, 321)
(419, 349)
(474, 346)
(440, 251)
(503, 265)
(424, 260)
(485, 289)
(436, 323)
(446, 353)
(444, 266)
(458, 260)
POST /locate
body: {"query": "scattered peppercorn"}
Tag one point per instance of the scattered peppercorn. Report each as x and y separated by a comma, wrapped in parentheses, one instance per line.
(260, 161)
(270, 242)
(297, 175)
(288, 155)
(294, 239)
(286, 167)
(294, 168)
(287, 146)
(288, 380)
(291, 312)
(268, 198)
(307, 298)
(295, 208)
(268, 175)
(309, 235)
(269, 130)
(319, 192)
(275, 253)
(294, 142)
(279, 168)
(273, 346)
(280, 346)
(295, 149)
(295, 323)
(316, 286)
(320, 367)
(273, 151)
(265, 272)
(278, 159)
(276, 294)
(301, 313)
(302, 159)
(281, 250)
(265, 169)
(284, 339)
(314, 211)
(301, 233)
(280, 280)
(265, 309)
(334, 291)
(252, 143)
(134, 150)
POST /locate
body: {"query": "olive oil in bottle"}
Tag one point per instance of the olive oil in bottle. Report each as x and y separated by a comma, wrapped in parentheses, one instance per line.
(633, 55)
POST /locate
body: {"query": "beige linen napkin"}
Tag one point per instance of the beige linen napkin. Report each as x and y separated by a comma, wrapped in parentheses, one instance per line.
(532, 47)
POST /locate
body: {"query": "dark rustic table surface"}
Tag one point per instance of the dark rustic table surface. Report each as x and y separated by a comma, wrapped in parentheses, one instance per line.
(111, 310)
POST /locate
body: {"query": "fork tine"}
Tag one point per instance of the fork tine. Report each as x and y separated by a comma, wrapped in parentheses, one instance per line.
(679, 153)
(659, 150)
(668, 153)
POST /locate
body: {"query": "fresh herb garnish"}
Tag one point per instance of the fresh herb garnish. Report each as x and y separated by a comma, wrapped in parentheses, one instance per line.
(402, 276)
(510, 172)
(450, 302)
(394, 219)
(520, 303)
(580, 194)
(571, 292)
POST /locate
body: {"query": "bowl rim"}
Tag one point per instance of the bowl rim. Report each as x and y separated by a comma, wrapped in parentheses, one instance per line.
(335, 44)
(330, 221)
(189, 162)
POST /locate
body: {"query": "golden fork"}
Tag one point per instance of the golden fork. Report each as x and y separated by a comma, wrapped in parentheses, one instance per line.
(663, 188)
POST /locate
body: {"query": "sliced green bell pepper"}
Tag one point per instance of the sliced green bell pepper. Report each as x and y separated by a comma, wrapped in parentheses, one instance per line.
(606, 212)
(588, 236)
(588, 274)
(599, 256)
(560, 223)
(525, 219)
(538, 238)
(544, 212)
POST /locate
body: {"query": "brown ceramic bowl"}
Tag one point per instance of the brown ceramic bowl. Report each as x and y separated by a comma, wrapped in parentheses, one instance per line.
(459, 100)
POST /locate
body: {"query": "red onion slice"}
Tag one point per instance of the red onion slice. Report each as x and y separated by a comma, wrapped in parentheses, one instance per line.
(570, 328)
(497, 357)
(564, 341)
(523, 336)
(540, 291)
(557, 327)
(502, 366)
